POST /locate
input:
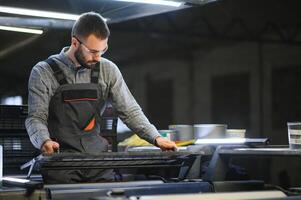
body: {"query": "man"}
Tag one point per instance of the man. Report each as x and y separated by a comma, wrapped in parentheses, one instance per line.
(67, 93)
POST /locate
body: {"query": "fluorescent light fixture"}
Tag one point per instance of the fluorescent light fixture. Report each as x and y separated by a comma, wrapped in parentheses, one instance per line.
(23, 30)
(37, 13)
(159, 2)
(18, 180)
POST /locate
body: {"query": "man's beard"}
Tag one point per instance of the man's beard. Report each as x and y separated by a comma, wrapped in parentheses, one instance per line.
(80, 59)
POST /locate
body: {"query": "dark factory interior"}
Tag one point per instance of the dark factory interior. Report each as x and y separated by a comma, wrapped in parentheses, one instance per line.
(229, 65)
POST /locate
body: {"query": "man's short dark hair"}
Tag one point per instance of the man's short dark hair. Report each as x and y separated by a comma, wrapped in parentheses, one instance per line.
(90, 23)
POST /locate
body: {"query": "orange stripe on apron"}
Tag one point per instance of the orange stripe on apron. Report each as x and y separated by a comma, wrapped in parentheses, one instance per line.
(91, 125)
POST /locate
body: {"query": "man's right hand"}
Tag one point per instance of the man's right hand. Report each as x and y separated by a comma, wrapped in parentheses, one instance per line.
(49, 147)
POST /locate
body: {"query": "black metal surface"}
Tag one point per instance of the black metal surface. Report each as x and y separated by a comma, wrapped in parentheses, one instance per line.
(116, 160)
(221, 161)
(218, 167)
(261, 152)
(84, 191)
(231, 186)
(113, 160)
(170, 188)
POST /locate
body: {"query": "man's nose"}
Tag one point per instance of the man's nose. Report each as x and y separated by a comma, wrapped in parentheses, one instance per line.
(96, 57)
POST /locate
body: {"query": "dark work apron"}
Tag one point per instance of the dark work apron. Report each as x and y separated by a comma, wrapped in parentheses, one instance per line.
(72, 122)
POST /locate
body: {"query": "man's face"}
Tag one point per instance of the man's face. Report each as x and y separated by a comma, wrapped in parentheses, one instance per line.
(89, 51)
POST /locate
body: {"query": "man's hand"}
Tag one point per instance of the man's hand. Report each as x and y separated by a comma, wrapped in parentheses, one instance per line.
(165, 144)
(49, 147)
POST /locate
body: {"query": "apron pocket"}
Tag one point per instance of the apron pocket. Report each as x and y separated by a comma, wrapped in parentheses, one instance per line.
(80, 107)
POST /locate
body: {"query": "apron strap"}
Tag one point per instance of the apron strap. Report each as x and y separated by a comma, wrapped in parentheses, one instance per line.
(95, 74)
(57, 72)
(94, 79)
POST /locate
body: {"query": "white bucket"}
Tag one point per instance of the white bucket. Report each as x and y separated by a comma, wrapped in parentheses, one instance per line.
(236, 133)
(202, 131)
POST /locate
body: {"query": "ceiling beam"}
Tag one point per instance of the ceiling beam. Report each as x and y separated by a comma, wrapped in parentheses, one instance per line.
(17, 46)
(134, 11)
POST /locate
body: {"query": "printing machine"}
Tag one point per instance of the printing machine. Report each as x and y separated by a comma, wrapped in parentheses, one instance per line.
(149, 160)
(200, 175)
(208, 188)
(146, 189)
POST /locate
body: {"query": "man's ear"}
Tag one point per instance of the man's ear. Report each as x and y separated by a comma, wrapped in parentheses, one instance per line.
(74, 42)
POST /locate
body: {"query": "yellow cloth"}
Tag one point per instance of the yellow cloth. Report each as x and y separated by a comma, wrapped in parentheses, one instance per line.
(184, 143)
(134, 140)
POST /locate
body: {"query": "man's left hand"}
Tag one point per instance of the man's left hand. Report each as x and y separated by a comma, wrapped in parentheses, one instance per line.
(165, 144)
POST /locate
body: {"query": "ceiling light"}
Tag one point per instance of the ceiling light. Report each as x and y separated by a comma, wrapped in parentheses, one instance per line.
(159, 2)
(23, 30)
(37, 13)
